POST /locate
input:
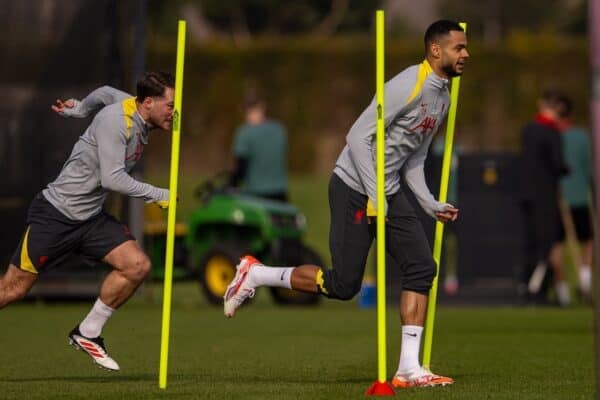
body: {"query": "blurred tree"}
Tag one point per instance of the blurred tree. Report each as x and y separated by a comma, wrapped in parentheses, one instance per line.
(495, 19)
(243, 20)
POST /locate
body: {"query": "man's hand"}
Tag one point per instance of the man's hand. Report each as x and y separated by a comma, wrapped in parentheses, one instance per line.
(163, 204)
(60, 106)
(449, 214)
(371, 212)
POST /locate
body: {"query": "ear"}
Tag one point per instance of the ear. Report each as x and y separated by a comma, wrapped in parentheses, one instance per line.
(435, 49)
(148, 102)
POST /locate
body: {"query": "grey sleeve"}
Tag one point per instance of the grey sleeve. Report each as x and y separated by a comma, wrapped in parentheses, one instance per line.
(362, 136)
(415, 178)
(97, 99)
(112, 145)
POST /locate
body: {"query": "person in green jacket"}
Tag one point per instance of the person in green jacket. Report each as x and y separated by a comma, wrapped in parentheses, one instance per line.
(260, 150)
(576, 189)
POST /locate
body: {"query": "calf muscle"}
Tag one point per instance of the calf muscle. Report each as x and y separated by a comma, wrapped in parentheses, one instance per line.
(14, 285)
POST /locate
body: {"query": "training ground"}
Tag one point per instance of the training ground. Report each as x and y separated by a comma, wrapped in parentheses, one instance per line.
(270, 352)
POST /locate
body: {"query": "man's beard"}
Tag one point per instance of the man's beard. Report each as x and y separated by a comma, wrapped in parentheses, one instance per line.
(450, 71)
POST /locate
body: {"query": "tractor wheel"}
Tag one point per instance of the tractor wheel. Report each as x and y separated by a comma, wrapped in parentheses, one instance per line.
(291, 297)
(217, 269)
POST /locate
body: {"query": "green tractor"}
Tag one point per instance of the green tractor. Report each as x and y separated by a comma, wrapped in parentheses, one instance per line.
(228, 225)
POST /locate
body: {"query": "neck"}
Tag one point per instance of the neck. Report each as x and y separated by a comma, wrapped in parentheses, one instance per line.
(144, 113)
(255, 118)
(437, 69)
(548, 115)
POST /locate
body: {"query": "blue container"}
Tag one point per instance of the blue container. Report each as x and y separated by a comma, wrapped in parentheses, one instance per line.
(367, 297)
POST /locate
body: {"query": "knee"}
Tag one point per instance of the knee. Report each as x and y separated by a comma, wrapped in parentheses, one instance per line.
(342, 288)
(138, 268)
(421, 276)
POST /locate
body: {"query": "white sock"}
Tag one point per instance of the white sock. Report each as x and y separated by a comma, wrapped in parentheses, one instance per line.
(91, 326)
(585, 278)
(562, 293)
(409, 352)
(261, 275)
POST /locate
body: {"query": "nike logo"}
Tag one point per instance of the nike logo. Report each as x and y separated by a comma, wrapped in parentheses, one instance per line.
(411, 334)
(282, 275)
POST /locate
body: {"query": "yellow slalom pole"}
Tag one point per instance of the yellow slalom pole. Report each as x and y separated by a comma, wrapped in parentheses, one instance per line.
(380, 150)
(439, 226)
(168, 284)
(380, 387)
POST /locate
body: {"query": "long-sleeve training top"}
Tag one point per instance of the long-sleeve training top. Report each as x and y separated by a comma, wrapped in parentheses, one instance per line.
(103, 156)
(416, 103)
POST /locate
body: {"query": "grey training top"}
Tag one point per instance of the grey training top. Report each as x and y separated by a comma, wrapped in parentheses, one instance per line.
(416, 103)
(102, 157)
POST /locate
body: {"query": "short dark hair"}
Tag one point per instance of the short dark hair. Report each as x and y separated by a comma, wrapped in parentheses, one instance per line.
(551, 97)
(252, 99)
(558, 101)
(153, 84)
(565, 106)
(439, 29)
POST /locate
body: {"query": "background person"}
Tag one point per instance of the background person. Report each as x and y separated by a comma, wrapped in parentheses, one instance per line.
(575, 189)
(542, 167)
(67, 216)
(260, 150)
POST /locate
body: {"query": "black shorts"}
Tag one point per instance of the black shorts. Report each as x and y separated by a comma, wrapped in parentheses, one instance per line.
(583, 224)
(541, 230)
(50, 237)
(351, 236)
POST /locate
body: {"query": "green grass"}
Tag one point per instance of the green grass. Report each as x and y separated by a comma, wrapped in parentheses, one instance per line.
(270, 352)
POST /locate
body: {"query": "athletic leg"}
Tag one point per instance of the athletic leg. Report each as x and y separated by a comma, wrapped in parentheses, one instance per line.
(350, 239)
(130, 267)
(407, 245)
(555, 259)
(585, 269)
(583, 227)
(109, 240)
(15, 284)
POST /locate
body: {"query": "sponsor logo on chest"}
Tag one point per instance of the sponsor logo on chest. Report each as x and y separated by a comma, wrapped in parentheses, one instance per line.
(427, 121)
(135, 149)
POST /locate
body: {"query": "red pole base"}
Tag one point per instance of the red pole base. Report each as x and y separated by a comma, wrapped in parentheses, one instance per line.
(380, 389)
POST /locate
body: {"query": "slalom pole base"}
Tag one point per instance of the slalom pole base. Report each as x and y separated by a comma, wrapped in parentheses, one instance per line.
(380, 389)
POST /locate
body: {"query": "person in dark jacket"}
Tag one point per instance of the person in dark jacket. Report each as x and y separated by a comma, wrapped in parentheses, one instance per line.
(542, 167)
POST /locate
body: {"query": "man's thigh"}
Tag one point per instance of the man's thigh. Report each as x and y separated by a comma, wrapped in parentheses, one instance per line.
(350, 234)
(104, 235)
(48, 240)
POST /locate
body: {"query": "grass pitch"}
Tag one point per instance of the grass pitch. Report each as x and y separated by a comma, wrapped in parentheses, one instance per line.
(270, 352)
